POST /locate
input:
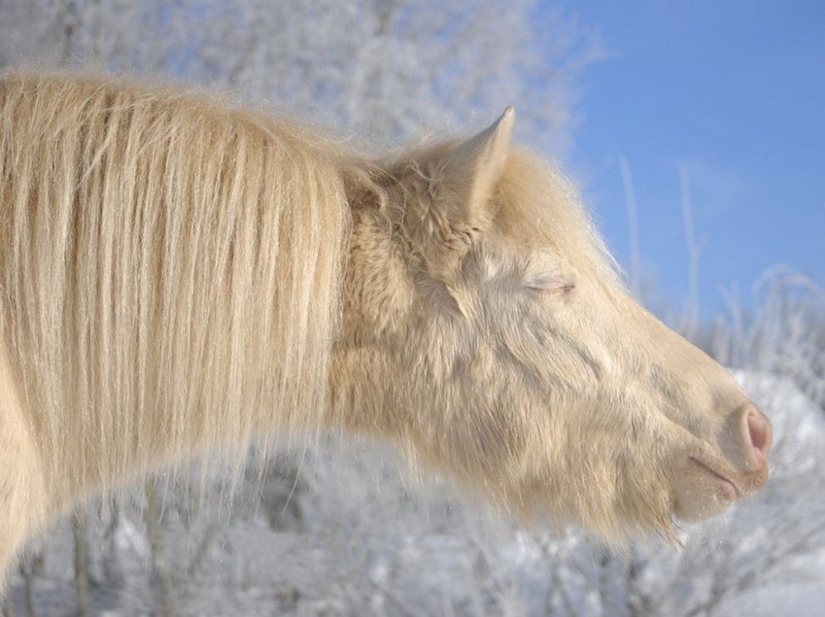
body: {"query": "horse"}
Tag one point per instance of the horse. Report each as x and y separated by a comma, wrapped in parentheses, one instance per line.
(183, 276)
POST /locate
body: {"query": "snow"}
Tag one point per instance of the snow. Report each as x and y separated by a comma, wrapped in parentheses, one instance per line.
(798, 600)
(350, 532)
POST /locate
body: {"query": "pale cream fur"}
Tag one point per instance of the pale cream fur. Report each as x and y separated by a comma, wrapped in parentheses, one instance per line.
(180, 276)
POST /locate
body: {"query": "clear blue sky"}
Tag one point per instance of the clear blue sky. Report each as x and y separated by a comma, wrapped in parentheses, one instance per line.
(734, 90)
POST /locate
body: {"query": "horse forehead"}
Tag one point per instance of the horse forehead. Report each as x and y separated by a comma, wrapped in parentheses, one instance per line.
(552, 225)
(537, 225)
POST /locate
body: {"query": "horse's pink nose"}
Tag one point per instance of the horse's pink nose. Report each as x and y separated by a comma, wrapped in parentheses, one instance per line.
(755, 436)
(759, 434)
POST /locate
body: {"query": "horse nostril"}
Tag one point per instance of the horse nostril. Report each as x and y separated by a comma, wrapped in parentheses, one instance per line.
(759, 431)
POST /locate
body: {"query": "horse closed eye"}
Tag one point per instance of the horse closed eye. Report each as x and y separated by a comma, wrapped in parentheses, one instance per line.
(551, 285)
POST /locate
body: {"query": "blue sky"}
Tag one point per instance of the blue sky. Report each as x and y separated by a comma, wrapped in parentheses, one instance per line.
(735, 92)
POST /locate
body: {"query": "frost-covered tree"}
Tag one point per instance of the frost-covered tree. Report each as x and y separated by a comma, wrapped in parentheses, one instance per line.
(391, 68)
(112, 33)
(386, 69)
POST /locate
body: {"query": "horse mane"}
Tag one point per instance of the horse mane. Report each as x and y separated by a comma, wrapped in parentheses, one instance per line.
(170, 270)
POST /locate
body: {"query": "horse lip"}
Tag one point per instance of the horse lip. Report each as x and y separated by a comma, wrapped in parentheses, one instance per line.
(727, 482)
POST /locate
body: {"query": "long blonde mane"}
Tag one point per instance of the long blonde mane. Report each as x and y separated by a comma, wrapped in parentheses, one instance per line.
(170, 271)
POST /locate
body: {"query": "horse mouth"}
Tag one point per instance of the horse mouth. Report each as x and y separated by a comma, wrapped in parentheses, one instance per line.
(727, 487)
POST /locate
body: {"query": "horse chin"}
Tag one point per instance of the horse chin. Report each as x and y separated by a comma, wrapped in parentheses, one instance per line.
(704, 489)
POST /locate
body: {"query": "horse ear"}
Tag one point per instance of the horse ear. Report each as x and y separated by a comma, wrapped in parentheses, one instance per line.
(453, 186)
(462, 181)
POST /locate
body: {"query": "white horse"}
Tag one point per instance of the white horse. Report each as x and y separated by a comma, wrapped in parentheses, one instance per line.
(178, 276)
